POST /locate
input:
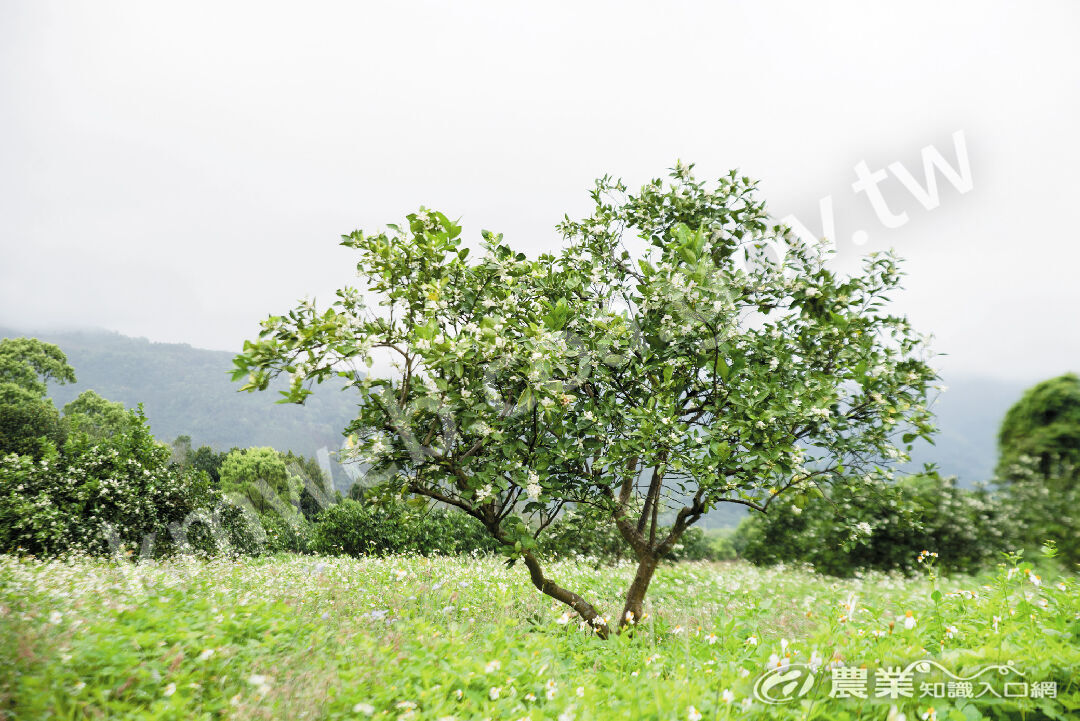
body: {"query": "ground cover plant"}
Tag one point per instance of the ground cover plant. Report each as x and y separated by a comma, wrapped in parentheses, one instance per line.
(412, 637)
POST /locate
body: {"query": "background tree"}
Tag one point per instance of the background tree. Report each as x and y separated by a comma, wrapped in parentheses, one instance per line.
(1044, 426)
(261, 476)
(29, 425)
(29, 422)
(96, 417)
(724, 363)
(203, 458)
(317, 492)
(31, 364)
(1039, 464)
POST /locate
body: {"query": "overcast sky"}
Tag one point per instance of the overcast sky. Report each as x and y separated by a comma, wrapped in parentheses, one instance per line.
(179, 171)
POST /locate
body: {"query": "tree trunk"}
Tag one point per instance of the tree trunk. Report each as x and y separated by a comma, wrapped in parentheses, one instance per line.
(635, 597)
(488, 516)
(571, 599)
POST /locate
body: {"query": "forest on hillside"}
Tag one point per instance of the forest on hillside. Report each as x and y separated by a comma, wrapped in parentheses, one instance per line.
(188, 391)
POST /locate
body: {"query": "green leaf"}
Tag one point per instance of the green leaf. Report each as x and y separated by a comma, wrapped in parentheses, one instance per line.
(723, 368)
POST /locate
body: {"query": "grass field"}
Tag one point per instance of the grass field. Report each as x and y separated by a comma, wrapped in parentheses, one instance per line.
(413, 637)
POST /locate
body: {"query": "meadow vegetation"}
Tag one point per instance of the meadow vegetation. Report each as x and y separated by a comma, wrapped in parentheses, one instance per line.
(413, 637)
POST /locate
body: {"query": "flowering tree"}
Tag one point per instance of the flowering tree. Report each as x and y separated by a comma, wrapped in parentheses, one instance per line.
(724, 363)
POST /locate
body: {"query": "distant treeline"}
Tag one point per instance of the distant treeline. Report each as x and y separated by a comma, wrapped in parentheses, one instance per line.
(188, 391)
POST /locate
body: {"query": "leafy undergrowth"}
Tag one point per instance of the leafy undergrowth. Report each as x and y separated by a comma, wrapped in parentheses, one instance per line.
(413, 637)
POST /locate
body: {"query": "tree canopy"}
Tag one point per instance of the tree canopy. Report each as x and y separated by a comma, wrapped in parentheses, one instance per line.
(260, 476)
(96, 417)
(1043, 427)
(29, 422)
(680, 351)
(30, 364)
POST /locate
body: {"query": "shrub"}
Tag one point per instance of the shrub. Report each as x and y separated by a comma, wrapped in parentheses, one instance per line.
(93, 497)
(883, 526)
(291, 535)
(1044, 503)
(387, 525)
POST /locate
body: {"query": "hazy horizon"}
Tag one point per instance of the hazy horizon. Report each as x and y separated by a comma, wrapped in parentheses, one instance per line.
(181, 172)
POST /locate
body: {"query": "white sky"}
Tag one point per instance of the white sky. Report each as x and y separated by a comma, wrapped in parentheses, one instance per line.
(181, 171)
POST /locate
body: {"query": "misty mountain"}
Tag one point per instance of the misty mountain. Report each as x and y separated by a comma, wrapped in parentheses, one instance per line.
(968, 415)
(187, 390)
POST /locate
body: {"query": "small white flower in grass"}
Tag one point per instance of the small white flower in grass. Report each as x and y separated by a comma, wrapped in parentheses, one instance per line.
(56, 617)
(929, 714)
(711, 639)
(727, 696)
(364, 708)
(563, 619)
(492, 667)
(170, 689)
(895, 714)
(693, 714)
(777, 661)
(951, 631)
(746, 703)
(580, 691)
(207, 653)
(909, 620)
(1061, 586)
(493, 692)
(530, 697)
(752, 641)
(256, 679)
(567, 715)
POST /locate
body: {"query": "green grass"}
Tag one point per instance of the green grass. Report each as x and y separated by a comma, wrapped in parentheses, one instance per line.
(397, 638)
